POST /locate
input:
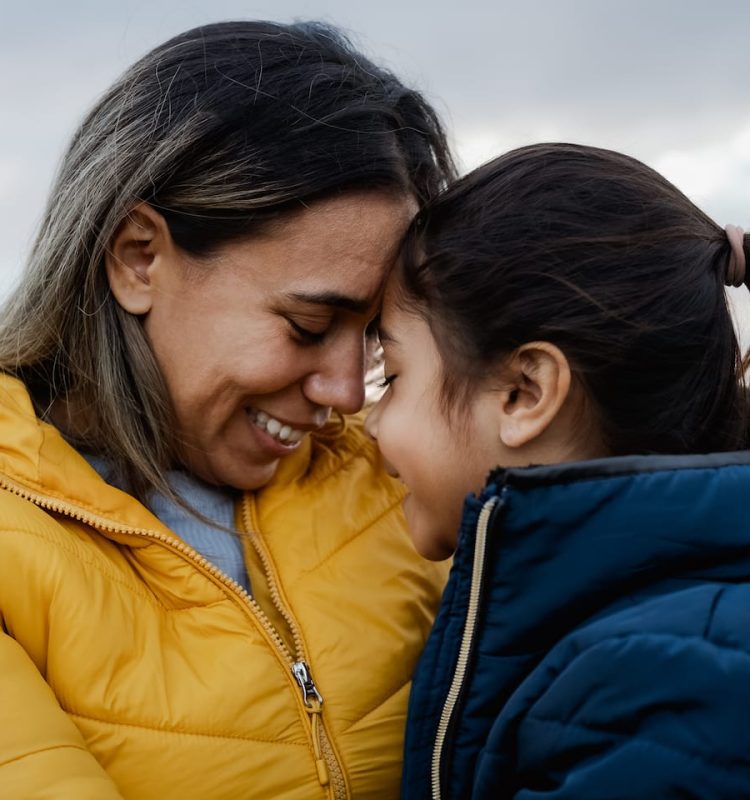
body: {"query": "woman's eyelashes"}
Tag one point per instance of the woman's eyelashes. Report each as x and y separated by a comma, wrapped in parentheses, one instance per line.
(387, 380)
(312, 330)
(306, 335)
(315, 332)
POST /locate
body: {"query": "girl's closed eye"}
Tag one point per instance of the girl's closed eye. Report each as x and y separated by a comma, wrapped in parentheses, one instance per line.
(387, 380)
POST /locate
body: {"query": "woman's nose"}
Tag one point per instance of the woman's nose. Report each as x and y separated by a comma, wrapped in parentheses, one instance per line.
(339, 382)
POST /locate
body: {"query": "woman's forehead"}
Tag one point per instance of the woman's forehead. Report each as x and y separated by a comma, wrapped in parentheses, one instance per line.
(336, 253)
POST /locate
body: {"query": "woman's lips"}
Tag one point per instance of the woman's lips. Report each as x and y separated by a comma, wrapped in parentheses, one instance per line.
(277, 429)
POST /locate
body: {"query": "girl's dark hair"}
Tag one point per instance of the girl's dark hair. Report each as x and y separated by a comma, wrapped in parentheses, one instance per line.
(223, 129)
(597, 253)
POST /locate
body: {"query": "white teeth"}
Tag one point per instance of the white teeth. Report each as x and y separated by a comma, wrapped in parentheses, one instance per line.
(280, 431)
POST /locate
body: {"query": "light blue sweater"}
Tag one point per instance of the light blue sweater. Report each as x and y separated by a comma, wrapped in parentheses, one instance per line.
(221, 547)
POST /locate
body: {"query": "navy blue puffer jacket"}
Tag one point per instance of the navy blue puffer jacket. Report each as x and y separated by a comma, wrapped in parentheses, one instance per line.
(594, 638)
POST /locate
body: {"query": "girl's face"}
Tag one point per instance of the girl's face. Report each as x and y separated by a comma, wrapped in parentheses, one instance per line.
(439, 460)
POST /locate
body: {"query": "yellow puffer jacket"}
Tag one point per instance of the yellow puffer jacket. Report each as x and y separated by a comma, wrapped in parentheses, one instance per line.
(131, 667)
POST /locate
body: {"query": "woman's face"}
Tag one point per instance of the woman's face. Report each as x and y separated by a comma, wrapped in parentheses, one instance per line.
(258, 345)
(439, 460)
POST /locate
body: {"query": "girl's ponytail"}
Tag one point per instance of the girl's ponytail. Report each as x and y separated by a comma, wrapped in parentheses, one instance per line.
(739, 275)
(737, 265)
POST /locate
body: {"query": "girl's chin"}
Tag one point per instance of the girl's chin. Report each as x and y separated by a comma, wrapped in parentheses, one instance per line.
(434, 551)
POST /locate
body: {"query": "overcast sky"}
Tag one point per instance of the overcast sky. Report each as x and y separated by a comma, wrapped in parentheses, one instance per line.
(664, 80)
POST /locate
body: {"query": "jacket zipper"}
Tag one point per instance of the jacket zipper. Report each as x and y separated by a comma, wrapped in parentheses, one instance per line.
(330, 773)
(311, 698)
(467, 640)
(314, 705)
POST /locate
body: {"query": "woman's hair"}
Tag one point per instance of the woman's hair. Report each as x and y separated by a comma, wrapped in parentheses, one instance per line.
(221, 129)
(597, 253)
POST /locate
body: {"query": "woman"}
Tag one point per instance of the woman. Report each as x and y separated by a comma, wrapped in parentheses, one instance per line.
(564, 306)
(205, 589)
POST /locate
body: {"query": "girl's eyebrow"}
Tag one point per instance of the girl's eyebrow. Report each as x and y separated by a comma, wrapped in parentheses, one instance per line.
(385, 336)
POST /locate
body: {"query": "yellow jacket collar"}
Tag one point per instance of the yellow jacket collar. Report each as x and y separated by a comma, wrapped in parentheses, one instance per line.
(35, 460)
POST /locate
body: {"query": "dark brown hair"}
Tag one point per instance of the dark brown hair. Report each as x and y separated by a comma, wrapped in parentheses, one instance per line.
(599, 254)
(223, 129)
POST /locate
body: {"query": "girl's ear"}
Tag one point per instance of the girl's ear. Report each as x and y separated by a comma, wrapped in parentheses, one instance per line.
(537, 382)
(134, 256)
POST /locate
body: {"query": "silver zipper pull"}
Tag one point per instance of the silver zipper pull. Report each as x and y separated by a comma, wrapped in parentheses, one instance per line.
(301, 672)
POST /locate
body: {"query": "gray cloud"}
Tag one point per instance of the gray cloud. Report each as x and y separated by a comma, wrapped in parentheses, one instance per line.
(664, 80)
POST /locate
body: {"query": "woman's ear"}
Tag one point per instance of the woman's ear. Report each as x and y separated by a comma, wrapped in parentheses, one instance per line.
(134, 255)
(536, 384)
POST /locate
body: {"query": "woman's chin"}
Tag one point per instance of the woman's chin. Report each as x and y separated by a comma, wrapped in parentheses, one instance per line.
(235, 473)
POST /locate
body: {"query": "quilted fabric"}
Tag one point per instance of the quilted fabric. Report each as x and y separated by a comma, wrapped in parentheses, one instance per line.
(131, 668)
(611, 658)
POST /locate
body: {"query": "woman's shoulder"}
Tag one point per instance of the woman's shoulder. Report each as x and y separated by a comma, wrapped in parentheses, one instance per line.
(49, 561)
(21, 517)
(34, 539)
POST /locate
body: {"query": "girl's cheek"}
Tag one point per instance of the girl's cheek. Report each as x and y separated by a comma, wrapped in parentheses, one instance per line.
(389, 437)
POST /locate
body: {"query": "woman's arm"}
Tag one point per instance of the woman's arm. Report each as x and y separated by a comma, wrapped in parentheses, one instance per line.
(42, 753)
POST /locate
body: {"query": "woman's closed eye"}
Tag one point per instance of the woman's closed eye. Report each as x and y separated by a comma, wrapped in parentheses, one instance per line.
(387, 380)
(307, 335)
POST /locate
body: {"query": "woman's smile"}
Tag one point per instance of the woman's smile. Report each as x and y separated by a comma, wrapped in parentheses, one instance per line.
(280, 431)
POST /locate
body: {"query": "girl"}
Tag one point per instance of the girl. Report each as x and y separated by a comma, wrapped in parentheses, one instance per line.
(564, 307)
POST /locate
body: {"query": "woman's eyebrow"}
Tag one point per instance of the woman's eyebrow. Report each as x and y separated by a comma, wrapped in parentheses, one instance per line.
(356, 305)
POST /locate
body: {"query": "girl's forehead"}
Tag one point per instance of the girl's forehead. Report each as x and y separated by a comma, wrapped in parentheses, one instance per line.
(392, 313)
(402, 328)
(395, 296)
(391, 292)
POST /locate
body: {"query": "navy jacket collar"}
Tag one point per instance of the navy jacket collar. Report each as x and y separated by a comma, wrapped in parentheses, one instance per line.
(568, 538)
(566, 545)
